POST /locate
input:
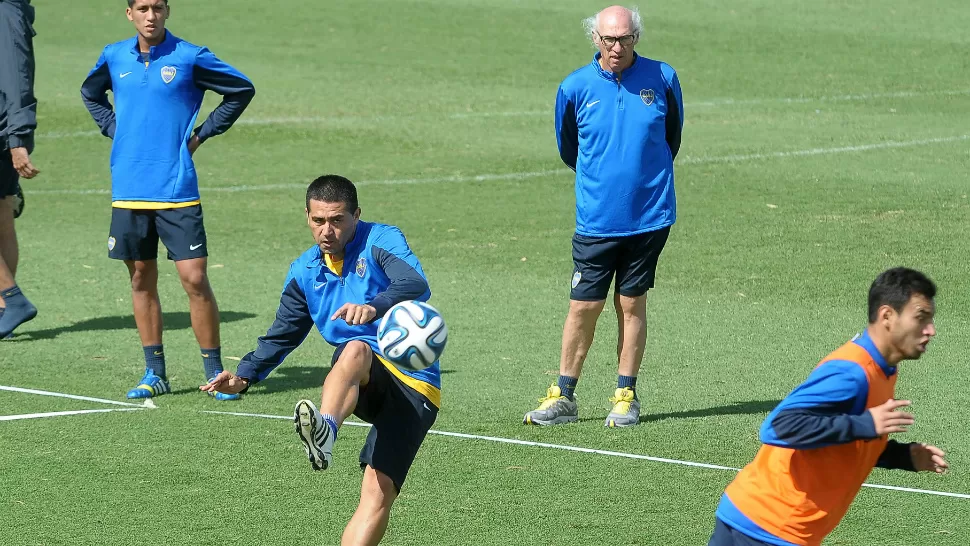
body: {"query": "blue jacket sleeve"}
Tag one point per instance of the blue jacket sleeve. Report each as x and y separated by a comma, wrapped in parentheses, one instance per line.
(18, 105)
(293, 323)
(94, 92)
(675, 109)
(567, 132)
(392, 253)
(896, 456)
(828, 408)
(211, 74)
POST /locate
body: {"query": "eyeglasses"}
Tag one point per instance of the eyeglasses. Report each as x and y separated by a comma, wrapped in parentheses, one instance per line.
(610, 41)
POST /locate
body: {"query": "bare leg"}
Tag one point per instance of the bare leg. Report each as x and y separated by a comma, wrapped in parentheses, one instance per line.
(144, 300)
(342, 386)
(9, 251)
(577, 335)
(203, 308)
(377, 494)
(632, 327)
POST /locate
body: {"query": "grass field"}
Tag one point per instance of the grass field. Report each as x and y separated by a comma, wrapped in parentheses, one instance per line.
(823, 143)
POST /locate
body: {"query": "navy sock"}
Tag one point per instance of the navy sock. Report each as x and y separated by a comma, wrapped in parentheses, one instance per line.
(626, 381)
(18, 311)
(333, 424)
(567, 385)
(212, 362)
(155, 360)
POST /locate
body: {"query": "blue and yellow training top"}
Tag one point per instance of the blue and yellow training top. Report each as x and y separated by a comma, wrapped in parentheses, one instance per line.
(378, 269)
(157, 98)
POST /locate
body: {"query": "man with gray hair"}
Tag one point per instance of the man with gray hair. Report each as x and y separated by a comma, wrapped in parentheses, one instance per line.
(618, 126)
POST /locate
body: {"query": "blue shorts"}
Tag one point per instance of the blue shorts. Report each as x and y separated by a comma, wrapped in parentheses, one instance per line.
(134, 233)
(725, 535)
(401, 418)
(632, 259)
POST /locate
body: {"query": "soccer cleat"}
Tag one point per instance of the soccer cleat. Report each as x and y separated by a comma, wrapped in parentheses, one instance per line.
(553, 409)
(150, 386)
(315, 434)
(222, 396)
(626, 409)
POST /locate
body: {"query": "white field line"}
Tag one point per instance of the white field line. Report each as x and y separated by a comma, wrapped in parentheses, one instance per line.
(594, 452)
(71, 396)
(62, 413)
(312, 120)
(687, 160)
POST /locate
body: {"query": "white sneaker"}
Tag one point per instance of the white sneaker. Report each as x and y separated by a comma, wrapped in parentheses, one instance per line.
(315, 433)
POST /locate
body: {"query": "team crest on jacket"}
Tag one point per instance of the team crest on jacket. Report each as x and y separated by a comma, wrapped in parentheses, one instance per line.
(168, 74)
(361, 266)
(647, 96)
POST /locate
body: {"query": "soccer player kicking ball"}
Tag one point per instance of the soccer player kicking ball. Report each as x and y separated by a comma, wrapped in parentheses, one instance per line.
(823, 439)
(343, 285)
(158, 81)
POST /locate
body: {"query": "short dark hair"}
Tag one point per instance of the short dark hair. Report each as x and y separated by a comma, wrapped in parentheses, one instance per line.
(132, 2)
(332, 188)
(894, 287)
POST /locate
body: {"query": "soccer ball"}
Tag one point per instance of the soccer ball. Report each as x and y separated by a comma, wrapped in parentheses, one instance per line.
(412, 335)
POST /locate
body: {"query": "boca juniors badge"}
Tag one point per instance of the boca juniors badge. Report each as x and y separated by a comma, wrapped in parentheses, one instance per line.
(647, 96)
(168, 74)
(361, 266)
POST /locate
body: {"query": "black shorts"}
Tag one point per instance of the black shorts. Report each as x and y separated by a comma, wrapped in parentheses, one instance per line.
(725, 535)
(134, 233)
(633, 259)
(401, 418)
(9, 178)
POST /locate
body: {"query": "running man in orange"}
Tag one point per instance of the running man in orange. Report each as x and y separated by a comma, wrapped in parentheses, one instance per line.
(822, 441)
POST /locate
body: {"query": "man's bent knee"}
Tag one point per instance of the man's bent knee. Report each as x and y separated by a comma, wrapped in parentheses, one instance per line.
(377, 492)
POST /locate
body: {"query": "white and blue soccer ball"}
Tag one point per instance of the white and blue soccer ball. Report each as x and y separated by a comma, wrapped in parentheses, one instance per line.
(412, 335)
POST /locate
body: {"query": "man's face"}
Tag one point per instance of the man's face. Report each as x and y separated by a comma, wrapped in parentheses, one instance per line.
(149, 18)
(615, 39)
(332, 225)
(911, 329)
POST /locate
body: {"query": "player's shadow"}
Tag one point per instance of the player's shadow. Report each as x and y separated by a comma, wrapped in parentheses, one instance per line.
(737, 408)
(297, 377)
(178, 320)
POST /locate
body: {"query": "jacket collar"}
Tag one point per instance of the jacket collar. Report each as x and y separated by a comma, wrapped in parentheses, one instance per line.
(167, 45)
(606, 74)
(863, 340)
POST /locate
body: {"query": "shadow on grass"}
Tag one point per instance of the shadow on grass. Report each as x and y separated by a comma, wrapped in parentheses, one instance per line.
(291, 378)
(179, 320)
(737, 408)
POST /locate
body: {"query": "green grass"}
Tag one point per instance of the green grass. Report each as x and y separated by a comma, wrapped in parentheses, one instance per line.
(765, 272)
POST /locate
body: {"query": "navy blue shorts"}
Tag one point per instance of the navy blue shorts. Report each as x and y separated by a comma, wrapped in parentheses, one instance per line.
(401, 418)
(134, 233)
(631, 259)
(724, 535)
(9, 178)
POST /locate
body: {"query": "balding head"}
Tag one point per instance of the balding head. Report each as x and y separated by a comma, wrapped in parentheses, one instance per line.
(614, 31)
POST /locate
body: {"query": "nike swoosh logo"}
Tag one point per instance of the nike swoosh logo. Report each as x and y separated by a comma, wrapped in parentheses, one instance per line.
(123, 75)
(318, 286)
(425, 404)
(158, 353)
(193, 247)
(588, 104)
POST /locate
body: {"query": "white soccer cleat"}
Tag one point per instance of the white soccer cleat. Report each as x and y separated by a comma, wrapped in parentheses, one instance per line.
(315, 433)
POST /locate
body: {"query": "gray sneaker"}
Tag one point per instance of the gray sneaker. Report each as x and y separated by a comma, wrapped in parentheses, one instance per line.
(553, 409)
(626, 409)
